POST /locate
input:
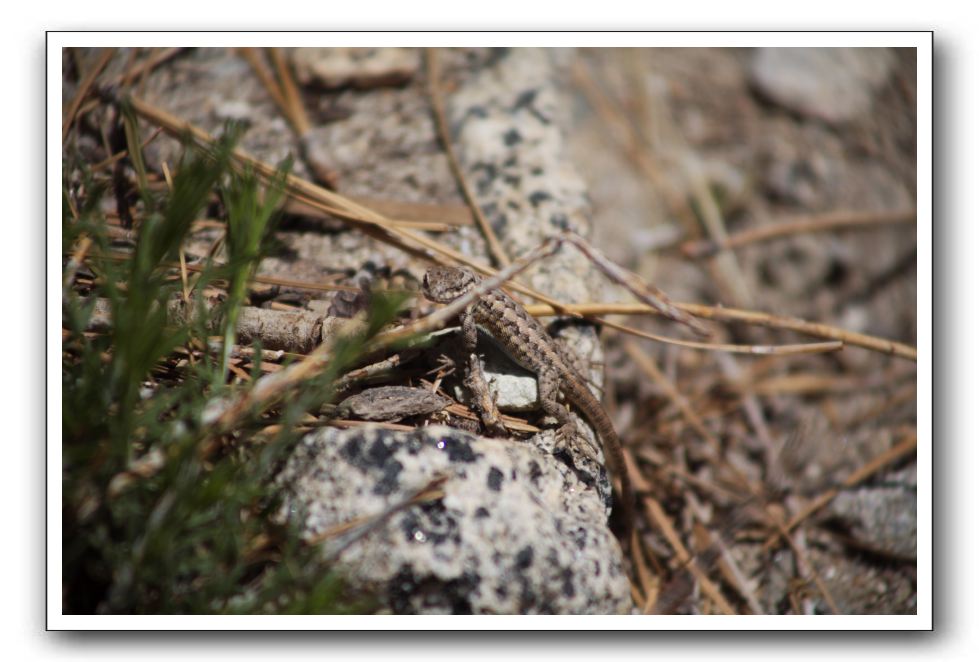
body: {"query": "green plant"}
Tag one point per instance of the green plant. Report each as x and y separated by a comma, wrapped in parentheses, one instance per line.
(161, 514)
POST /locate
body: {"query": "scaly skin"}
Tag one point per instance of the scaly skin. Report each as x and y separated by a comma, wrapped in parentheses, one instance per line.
(528, 343)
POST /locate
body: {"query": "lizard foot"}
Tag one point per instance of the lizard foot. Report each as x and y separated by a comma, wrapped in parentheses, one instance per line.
(567, 441)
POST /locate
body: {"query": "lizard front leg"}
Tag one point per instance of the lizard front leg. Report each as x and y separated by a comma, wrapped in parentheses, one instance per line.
(476, 381)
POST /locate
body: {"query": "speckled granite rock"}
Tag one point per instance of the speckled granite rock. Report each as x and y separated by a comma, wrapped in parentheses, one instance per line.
(519, 530)
(511, 120)
(515, 532)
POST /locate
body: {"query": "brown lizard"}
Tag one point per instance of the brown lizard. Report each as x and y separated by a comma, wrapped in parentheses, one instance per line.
(526, 340)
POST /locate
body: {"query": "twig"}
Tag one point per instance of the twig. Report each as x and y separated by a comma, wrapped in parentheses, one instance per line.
(146, 65)
(124, 153)
(882, 345)
(294, 104)
(441, 317)
(398, 236)
(645, 292)
(769, 350)
(649, 367)
(266, 280)
(813, 383)
(368, 220)
(704, 537)
(891, 347)
(75, 263)
(265, 77)
(663, 523)
(284, 92)
(270, 388)
(846, 220)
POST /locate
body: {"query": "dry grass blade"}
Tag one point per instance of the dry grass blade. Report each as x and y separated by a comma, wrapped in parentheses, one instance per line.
(75, 263)
(662, 521)
(842, 220)
(891, 347)
(118, 156)
(770, 350)
(83, 89)
(648, 366)
(293, 103)
(271, 388)
(645, 292)
(266, 280)
(147, 65)
(368, 221)
(442, 125)
(441, 317)
(265, 76)
(630, 143)
(362, 526)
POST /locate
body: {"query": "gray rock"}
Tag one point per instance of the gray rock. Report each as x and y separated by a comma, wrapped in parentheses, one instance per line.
(392, 403)
(357, 67)
(514, 388)
(831, 84)
(514, 531)
(882, 518)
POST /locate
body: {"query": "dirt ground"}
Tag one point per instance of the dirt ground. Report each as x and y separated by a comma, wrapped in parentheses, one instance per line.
(798, 425)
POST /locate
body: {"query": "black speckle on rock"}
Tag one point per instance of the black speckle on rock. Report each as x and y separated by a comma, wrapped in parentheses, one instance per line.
(560, 221)
(526, 102)
(389, 481)
(535, 471)
(512, 137)
(482, 512)
(485, 174)
(525, 99)
(351, 451)
(401, 588)
(529, 598)
(536, 171)
(525, 557)
(461, 589)
(488, 208)
(512, 180)
(538, 197)
(438, 526)
(409, 525)
(479, 112)
(567, 586)
(379, 453)
(511, 161)
(513, 204)
(494, 479)
(499, 223)
(457, 450)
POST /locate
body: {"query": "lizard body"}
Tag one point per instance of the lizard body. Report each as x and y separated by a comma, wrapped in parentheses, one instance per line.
(526, 340)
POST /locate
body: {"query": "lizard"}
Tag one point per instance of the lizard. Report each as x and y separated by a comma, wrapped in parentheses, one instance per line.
(526, 340)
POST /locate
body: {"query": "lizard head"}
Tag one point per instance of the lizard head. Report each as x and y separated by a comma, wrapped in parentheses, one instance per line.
(446, 284)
